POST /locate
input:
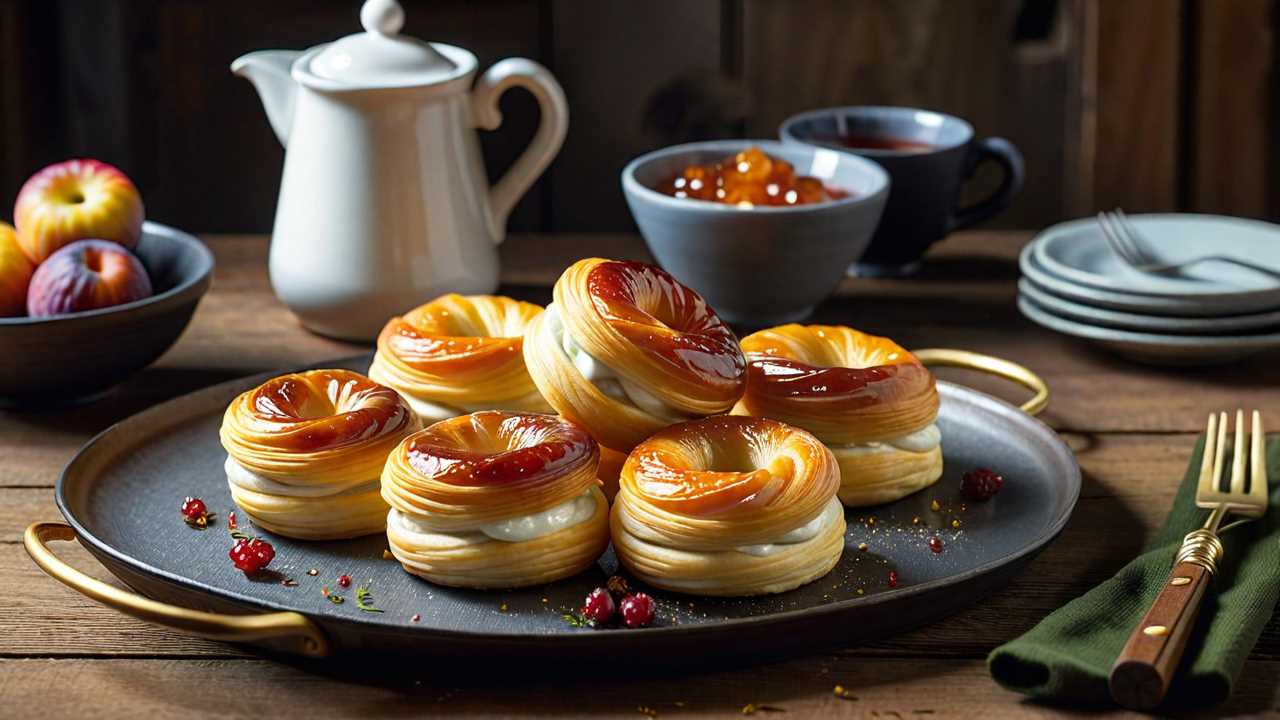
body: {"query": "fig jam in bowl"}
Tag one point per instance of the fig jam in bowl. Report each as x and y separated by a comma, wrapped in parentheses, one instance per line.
(759, 255)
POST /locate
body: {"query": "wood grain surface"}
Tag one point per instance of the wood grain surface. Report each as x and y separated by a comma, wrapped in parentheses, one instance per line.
(1131, 427)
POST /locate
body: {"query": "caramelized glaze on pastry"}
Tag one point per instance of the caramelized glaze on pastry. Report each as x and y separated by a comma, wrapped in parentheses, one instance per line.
(729, 505)
(496, 500)
(457, 354)
(868, 399)
(626, 350)
(305, 452)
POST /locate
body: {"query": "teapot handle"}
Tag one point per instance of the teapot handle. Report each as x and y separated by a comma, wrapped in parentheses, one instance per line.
(519, 72)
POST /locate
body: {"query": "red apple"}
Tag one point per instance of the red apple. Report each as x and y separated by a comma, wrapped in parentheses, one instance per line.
(15, 274)
(85, 275)
(75, 200)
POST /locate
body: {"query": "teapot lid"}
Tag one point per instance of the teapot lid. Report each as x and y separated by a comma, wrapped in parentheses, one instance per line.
(380, 56)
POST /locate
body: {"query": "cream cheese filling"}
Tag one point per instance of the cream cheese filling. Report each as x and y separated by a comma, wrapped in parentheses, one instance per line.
(810, 530)
(241, 477)
(922, 440)
(605, 378)
(523, 528)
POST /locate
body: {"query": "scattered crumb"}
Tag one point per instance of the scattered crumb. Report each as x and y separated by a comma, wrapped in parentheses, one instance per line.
(313, 572)
(842, 693)
(862, 547)
(935, 506)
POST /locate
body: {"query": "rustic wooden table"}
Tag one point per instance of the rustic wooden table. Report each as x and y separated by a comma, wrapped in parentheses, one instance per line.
(1132, 427)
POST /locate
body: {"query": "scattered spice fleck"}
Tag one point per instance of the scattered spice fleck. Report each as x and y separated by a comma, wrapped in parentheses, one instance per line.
(893, 579)
(871, 520)
(618, 587)
(860, 591)
(289, 582)
(915, 520)
(646, 711)
(842, 693)
(545, 600)
(862, 547)
(386, 554)
(935, 544)
(955, 523)
(416, 618)
(334, 598)
(935, 506)
(502, 607)
(749, 709)
(313, 572)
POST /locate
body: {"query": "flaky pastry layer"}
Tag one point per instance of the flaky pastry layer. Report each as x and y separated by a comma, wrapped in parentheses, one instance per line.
(444, 560)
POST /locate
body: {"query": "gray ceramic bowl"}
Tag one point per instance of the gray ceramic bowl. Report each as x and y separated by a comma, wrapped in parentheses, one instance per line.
(61, 359)
(764, 265)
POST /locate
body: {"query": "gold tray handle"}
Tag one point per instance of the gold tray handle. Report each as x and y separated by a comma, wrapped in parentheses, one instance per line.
(999, 367)
(215, 626)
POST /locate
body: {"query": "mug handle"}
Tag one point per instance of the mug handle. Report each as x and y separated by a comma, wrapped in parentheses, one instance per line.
(1006, 154)
(554, 124)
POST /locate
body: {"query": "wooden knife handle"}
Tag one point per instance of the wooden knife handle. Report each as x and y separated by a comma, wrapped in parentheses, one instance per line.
(1141, 676)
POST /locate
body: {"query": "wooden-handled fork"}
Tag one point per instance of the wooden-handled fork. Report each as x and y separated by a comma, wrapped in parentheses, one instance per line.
(1141, 676)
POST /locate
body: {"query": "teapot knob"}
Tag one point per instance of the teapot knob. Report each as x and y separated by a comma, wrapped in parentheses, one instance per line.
(384, 17)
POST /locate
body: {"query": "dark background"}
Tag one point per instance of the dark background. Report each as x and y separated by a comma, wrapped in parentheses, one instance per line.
(1145, 104)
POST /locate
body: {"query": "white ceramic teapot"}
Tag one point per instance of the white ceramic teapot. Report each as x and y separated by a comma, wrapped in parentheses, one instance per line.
(384, 202)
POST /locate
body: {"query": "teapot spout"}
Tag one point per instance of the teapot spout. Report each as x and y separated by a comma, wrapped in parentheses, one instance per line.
(268, 70)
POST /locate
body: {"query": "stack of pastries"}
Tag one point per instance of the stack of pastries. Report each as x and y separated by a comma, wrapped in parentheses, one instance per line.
(536, 419)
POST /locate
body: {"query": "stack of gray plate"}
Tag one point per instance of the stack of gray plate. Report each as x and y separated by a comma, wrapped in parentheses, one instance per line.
(1213, 311)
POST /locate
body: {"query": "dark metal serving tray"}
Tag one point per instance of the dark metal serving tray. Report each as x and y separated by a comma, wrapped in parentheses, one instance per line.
(121, 493)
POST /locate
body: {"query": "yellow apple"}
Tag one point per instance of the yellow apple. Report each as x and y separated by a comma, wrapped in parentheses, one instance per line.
(15, 274)
(76, 200)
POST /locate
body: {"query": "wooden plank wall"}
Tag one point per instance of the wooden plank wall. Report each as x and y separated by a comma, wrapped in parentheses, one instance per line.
(1145, 104)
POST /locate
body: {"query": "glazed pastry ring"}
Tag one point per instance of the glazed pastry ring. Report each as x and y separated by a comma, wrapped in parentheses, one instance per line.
(496, 500)
(305, 451)
(625, 350)
(457, 354)
(729, 506)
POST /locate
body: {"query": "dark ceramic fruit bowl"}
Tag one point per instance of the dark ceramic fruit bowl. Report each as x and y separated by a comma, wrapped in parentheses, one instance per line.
(62, 359)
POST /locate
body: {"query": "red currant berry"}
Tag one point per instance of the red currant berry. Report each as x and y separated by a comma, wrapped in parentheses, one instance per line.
(980, 484)
(344, 580)
(599, 606)
(893, 579)
(194, 509)
(935, 544)
(251, 556)
(637, 610)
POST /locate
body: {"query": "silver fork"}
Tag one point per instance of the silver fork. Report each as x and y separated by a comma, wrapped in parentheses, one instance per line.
(1134, 250)
(1141, 675)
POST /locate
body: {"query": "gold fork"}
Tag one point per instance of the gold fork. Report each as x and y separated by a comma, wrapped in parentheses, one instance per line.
(1141, 676)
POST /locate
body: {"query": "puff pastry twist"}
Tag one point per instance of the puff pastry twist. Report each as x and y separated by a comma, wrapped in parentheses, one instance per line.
(626, 350)
(868, 399)
(496, 499)
(305, 452)
(729, 505)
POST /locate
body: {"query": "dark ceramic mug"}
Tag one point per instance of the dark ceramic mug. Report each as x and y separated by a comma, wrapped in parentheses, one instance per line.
(928, 156)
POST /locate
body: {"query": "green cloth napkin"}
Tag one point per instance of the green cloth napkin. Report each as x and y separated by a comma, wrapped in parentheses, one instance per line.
(1068, 656)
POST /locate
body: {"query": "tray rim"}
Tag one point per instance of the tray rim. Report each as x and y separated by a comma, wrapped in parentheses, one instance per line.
(97, 546)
